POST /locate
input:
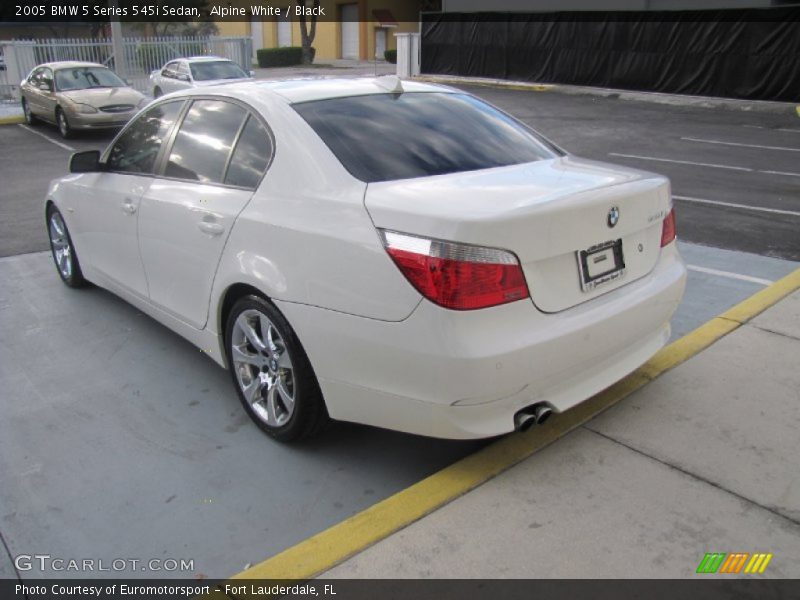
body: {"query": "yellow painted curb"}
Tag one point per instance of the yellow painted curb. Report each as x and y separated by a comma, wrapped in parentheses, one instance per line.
(758, 303)
(12, 120)
(688, 346)
(324, 550)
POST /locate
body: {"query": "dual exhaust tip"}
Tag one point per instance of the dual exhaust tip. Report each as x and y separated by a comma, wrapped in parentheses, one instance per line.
(532, 415)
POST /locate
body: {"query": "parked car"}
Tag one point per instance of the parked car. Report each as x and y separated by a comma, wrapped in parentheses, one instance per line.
(78, 95)
(196, 71)
(403, 255)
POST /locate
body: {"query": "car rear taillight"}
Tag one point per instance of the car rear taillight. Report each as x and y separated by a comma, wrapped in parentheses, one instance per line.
(457, 276)
(668, 230)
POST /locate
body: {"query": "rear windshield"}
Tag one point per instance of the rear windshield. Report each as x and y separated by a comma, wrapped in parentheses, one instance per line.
(399, 136)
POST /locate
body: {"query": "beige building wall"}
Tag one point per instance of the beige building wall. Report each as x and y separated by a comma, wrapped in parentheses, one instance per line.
(328, 39)
(233, 28)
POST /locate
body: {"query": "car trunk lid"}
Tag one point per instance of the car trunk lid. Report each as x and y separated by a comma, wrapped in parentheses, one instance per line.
(547, 213)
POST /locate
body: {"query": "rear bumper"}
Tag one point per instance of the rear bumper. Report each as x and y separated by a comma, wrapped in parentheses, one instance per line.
(464, 375)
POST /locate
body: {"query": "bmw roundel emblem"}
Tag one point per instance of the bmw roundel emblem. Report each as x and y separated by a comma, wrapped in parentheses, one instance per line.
(613, 216)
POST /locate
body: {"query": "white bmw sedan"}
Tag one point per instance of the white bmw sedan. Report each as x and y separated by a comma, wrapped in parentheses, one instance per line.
(195, 71)
(397, 254)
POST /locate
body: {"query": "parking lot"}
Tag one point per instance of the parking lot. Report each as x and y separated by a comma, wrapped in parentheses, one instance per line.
(121, 439)
(735, 174)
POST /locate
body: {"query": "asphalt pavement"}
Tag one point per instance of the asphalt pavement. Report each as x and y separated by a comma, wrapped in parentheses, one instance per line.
(31, 157)
(735, 174)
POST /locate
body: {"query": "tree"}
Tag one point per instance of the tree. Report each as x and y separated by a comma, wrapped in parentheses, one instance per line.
(307, 35)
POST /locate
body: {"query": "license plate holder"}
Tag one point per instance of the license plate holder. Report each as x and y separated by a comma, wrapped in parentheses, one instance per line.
(600, 264)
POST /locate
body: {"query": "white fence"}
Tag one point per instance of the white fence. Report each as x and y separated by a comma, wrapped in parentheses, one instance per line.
(141, 55)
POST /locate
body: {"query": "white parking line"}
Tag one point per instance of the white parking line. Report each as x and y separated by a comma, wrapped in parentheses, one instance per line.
(681, 162)
(788, 129)
(740, 144)
(730, 275)
(775, 211)
(781, 173)
(48, 138)
(699, 164)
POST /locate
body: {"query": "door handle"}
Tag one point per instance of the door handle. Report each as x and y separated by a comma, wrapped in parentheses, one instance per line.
(128, 206)
(210, 227)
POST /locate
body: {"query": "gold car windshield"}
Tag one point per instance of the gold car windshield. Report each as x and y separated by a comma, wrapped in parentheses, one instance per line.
(81, 78)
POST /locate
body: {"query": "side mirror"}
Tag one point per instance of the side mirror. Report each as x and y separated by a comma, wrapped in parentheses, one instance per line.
(85, 162)
(44, 86)
(252, 73)
(183, 77)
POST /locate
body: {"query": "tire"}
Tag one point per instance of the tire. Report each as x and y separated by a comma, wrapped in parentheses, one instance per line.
(63, 125)
(63, 250)
(30, 119)
(157, 93)
(272, 373)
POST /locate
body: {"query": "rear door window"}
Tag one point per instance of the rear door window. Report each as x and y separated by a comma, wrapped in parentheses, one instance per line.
(384, 137)
(251, 156)
(170, 70)
(183, 71)
(204, 141)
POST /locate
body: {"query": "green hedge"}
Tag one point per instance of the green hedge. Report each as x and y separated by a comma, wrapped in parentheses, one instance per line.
(390, 56)
(280, 57)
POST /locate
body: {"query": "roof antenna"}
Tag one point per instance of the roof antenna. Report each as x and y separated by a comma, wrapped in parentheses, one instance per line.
(391, 83)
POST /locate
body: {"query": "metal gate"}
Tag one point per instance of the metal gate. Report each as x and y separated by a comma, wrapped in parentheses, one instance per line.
(141, 55)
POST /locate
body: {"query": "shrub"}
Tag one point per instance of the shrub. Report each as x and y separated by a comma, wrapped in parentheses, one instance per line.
(390, 56)
(280, 57)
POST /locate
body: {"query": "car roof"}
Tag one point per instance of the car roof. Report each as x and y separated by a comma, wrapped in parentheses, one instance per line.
(294, 91)
(70, 64)
(205, 59)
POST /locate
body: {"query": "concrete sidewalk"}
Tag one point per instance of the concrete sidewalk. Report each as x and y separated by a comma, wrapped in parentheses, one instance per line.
(702, 459)
(10, 112)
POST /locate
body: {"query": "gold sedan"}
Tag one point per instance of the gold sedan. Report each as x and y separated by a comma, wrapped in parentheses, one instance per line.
(78, 95)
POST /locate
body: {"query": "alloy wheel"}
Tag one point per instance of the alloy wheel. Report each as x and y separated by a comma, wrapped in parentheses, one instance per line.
(263, 367)
(59, 241)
